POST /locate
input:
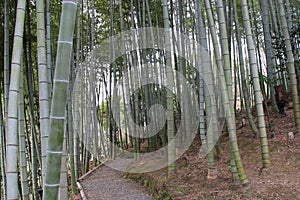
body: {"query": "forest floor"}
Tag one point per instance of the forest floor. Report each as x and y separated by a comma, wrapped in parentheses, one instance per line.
(280, 181)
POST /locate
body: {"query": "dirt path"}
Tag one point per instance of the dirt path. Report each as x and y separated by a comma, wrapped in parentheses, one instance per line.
(107, 184)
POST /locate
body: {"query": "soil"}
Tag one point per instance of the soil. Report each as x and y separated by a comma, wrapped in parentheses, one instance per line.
(280, 181)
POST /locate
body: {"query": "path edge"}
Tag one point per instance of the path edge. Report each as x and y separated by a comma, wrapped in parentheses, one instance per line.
(82, 194)
(91, 171)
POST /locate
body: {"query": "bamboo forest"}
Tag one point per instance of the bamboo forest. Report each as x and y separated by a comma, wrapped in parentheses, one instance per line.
(150, 99)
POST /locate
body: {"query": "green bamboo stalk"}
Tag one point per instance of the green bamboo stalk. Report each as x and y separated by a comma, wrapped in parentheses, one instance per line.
(288, 14)
(6, 93)
(210, 104)
(6, 56)
(290, 64)
(2, 154)
(71, 133)
(12, 115)
(273, 17)
(49, 51)
(32, 84)
(256, 86)
(242, 69)
(63, 185)
(125, 84)
(85, 125)
(43, 82)
(58, 103)
(22, 145)
(226, 103)
(170, 84)
(33, 149)
(268, 50)
(225, 52)
(77, 92)
(77, 123)
(202, 39)
(183, 69)
(154, 73)
(236, 162)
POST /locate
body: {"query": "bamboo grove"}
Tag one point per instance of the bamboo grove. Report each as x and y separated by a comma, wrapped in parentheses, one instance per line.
(84, 81)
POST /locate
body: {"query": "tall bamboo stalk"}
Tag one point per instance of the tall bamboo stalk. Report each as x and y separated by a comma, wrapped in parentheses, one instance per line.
(71, 138)
(49, 51)
(256, 86)
(58, 103)
(236, 162)
(290, 64)
(30, 84)
(43, 82)
(6, 93)
(63, 185)
(169, 74)
(202, 39)
(2, 154)
(12, 115)
(243, 73)
(22, 145)
(225, 52)
(268, 49)
(6, 56)
(76, 92)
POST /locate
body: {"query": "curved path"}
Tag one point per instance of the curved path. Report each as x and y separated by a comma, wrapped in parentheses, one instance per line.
(106, 183)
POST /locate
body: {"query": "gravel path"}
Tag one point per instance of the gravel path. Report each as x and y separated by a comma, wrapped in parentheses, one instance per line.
(107, 184)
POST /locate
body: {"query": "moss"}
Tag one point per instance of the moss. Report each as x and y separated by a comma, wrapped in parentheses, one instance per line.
(273, 149)
(183, 164)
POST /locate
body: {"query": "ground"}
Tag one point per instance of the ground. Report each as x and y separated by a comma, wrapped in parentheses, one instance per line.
(280, 181)
(106, 183)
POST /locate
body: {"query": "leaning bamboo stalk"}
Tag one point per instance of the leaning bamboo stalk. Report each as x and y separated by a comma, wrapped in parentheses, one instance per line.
(12, 115)
(236, 162)
(2, 154)
(22, 145)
